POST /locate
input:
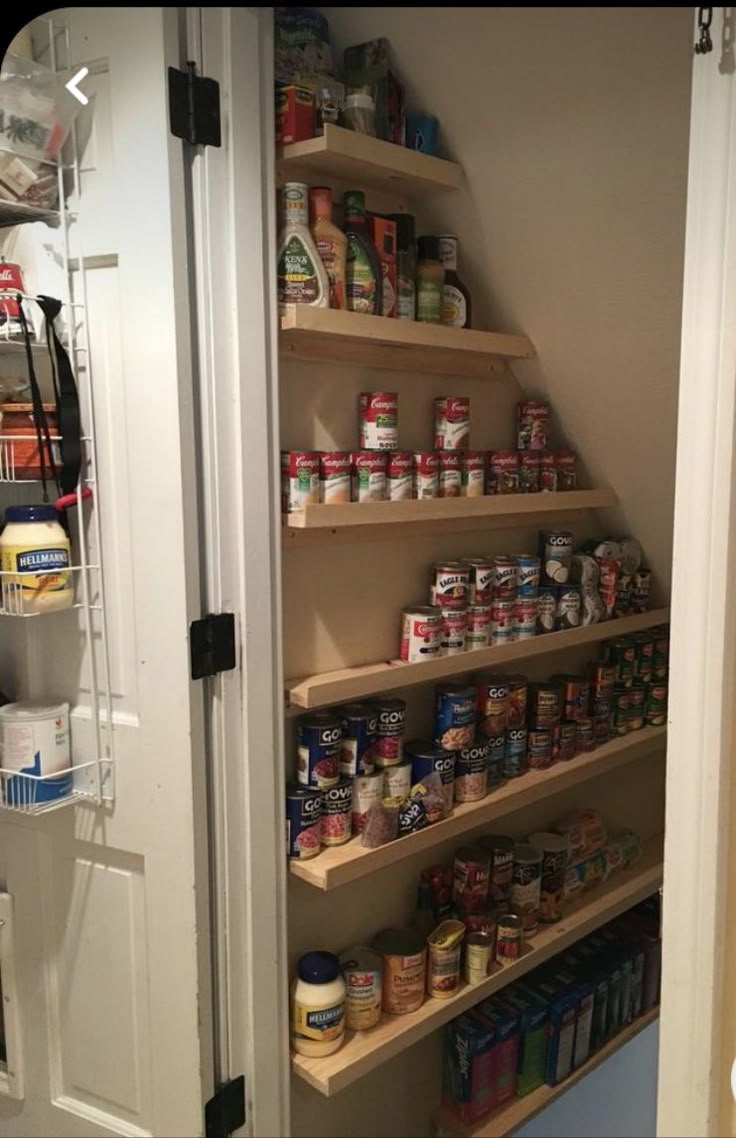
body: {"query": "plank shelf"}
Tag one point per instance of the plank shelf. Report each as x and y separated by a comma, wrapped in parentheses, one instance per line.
(345, 684)
(364, 1051)
(341, 865)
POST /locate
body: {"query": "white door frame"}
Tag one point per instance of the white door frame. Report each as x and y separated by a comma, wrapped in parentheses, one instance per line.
(703, 647)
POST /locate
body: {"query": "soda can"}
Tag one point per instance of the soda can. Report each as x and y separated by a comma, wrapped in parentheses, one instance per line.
(525, 618)
(503, 472)
(451, 584)
(568, 608)
(482, 575)
(421, 633)
(357, 750)
(515, 755)
(546, 609)
(540, 749)
(426, 474)
(478, 633)
(454, 717)
(303, 821)
(504, 577)
(529, 472)
(448, 464)
(527, 575)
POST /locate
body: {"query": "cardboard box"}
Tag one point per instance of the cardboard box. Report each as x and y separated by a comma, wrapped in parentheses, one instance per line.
(294, 114)
(469, 1072)
(383, 233)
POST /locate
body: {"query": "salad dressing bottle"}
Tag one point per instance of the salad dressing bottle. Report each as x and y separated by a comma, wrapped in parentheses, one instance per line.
(302, 278)
(363, 274)
(331, 243)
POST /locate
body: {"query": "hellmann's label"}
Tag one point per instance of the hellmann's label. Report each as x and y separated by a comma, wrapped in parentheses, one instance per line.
(45, 567)
(321, 1024)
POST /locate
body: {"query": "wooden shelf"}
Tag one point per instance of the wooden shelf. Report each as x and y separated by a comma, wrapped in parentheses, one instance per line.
(365, 161)
(340, 865)
(371, 679)
(336, 336)
(363, 1051)
(515, 1113)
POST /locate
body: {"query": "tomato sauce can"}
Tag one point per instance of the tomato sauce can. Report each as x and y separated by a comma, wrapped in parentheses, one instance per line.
(472, 473)
(318, 750)
(566, 464)
(426, 477)
(509, 937)
(299, 480)
(503, 621)
(451, 584)
(451, 422)
(397, 780)
(496, 760)
(504, 577)
(454, 717)
(529, 472)
(444, 950)
(359, 723)
(303, 821)
(546, 609)
(334, 477)
(527, 575)
(525, 618)
(503, 472)
(421, 633)
(547, 471)
(532, 419)
(515, 761)
(368, 468)
(493, 705)
(391, 719)
(482, 574)
(545, 706)
(471, 879)
(367, 791)
(501, 853)
(526, 886)
(337, 809)
(540, 749)
(471, 772)
(379, 420)
(478, 634)
(568, 608)
(450, 481)
(454, 623)
(516, 712)
(399, 476)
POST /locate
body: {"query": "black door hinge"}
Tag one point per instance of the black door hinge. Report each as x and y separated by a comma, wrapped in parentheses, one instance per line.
(212, 644)
(194, 107)
(225, 1112)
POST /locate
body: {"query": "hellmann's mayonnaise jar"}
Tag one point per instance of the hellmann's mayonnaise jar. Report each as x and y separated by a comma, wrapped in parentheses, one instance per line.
(35, 556)
(318, 1005)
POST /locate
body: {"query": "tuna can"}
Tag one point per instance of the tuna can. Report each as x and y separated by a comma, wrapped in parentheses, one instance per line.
(525, 618)
(303, 821)
(454, 625)
(637, 706)
(555, 551)
(451, 585)
(504, 577)
(509, 937)
(361, 969)
(496, 760)
(482, 572)
(526, 885)
(527, 575)
(444, 949)
(529, 472)
(566, 462)
(399, 476)
(471, 772)
(478, 957)
(337, 809)
(546, 609)
(501, 852)
(540, 749)
(620, 711)
(493, 705)
(454, 717)
(554, 863)
(471, 879)
(451, 422)
(397, 780)
(568, 608)
(318, 749)
(368, 469)
(640, 590)
(503, 630)
(478, 633)
(421, 633)
(379, 420)
(359, 723)
(299, 479)
(547, 472)
(545, 706)
(367, 791)
(391, 715)
(428, 758)
(473, 473)
(449, 481)
(532, 418)
(657, 704)
(334, 477)
(426, 477)
(516, 714)
(584, 736)
(563, 742)
(503, 472)
(515, 761)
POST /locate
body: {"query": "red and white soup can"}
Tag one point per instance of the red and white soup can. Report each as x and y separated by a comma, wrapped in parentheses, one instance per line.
(379, 420)
(421, 632)
(452, 422)
(426, 474)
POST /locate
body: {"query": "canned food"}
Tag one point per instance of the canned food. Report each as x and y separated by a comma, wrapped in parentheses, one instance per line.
(503, 627)
(337, 809)
(473, 473)
(547, 471)
(644, 662)
(482, 573)
(367, 791)
(540, 749)
(334, 477)
(359, 722)
(454, 718)
(568, 608)
(443, 959)
(397, 780)
(624, 585)
(516, 713)
(428, 758)
(574, 692)
(532, 418)
(563, 742)
(509, 937)
(602, 728)
(504, 577)
(525, 618)
(640, 590)
(637, 706)
(554, 864)
(515, 761)
(622, 654)
(526, 886)
(318, 750)
(503, 472)
(448, 465)
(566, 462)
(426, 474)
(399, 476)
(471, 879)
(657, 704)
(454, 628)
(421, 633)
(471, 772)
(584, 736)
(493, 705)
(482, 921)
(555, 551)
(529, 466)
(299, 479)
(602, 679)
(478, 633)
(546, 609)
(478, 957)
(391, 717)
(361, 969)
(609, 568)
(501, 853)
(527, 575)
(620, 711)
(451, 584)
(451, 422)
(496, 760)
(303, 821)
(545, 706)
(379, 420)
(404, 969)
(368, 468)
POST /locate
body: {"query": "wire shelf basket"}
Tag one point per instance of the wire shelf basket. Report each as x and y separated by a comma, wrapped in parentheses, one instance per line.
(20, 460)
(26, 793)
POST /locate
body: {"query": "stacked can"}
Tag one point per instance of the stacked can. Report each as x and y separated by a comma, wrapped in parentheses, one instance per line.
(559, 604)
(638, 666)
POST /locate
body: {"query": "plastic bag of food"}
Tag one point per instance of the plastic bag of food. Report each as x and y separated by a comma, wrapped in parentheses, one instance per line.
(381, 823)
(424, 805)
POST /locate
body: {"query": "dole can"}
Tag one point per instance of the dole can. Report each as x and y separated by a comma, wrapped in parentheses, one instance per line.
(472, 473)
(379, 420)
(399, 476)
(532, 418)
(303, 821)
(34, 740)
(448, 463)
(503, 472)
(421, 633)
(391, 718)
(319, 744)
(299, 480)
(426, 480)
(334, 477)
(454, 626)
(451, 422)
(368, 469)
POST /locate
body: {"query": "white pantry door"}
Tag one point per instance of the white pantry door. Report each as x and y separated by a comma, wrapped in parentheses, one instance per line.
(111, 936)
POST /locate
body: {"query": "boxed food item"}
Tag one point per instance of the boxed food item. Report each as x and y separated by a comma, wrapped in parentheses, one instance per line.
(368, 70)
(301, 44)
(506, 1024)
(532, 1015)
(469, 1076)
(573, 982)
(562, 1014)
(294, 114)
(383, 232)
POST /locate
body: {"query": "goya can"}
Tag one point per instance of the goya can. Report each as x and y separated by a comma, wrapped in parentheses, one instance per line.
(478, 634)
(451, 584)
(545, 705)
(540, 749)
(399, 476)
(504, 577)
(368, 471)
(319, 750)
(547, 471)
(532, 418)
(546, 609)
(568, 608)
(503, 472)
(429, 758)
(555, 551)
(359, 723)
(421, 633)
(516, 712)
(493, 705)
(656, 711)
(471, 772)
(454, 717)
(482, 573)
(367, 792)
(509, 937)
(451, 422)
(379, 422)
(503, 621)
(525, 617)
(337, 809)
(527, 575)
(449, 478)
(303, 821)
(529, 472)
(390, 726)
(566, 463)
(426, 474)
(299, 479)
(471, 879)
(584, 736)
(473, 473)
(334, 477)
(515, 761)
(496, 760)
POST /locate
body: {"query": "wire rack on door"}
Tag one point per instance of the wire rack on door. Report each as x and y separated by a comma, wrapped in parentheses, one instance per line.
(91, 779)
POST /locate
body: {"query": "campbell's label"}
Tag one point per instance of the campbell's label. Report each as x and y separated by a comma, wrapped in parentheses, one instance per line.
(334, 477)
(299, 479)
(379, 420)
(399, 475)
(368, 476)
(421, 633)
(426, 474)
(503, 472)
(452, 422)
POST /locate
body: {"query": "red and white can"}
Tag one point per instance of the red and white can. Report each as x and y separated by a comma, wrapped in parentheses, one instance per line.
(505, 577)
(11, 283)
(473, 473)
(368, 470)
(452, 422)
(334, 477)
(449, 473)
(503, 472)
(454, 629)
(399, 476)
(482, 576)
(379, 420)
(421, 631)
(529, 472)
(503, 627)
(532, 419)
(299, 479)
(451, 584)
(478, 634)
(547, 471)
(566, 462)
(426, 474)
(525, 617)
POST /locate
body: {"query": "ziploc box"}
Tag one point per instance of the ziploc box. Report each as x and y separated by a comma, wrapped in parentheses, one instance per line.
(469, 1073)
(583, 960)
(562, 1012)
(532, 1038)
(584, 991)
(506, 1026)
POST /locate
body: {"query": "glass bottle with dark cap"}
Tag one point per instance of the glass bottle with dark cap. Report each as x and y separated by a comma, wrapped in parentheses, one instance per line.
(430, 281)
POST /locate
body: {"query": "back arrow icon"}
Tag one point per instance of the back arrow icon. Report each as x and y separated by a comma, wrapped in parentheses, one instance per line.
(72, 85)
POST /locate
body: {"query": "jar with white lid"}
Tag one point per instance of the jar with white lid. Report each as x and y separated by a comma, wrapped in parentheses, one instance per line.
(318, 1005)
(35, 558)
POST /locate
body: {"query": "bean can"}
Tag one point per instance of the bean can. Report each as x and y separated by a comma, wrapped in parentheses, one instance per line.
(471, 879)
(357, 749)
(473, 473)
(568, 608)
(547, 472)
(429, 758)
(501, 852)
(540, 749)
(444, 950)
(478, 633)
(527, 575)
(379, 420)
(334, 477)
(509, 937)
(471, 772)
(496, 760)
(529, 472)
(319, 749)
(503, 472)
(525, 617)
(532, 418)
(368, 468)
(566, 463)
(504, 577)
(518, 687)
(448, 464)
(337, 812)
(397, 780)
(454, 626)
(421, 633)
(451, 584)
(555, 551)
(503, 621)
(481, 578)
(563, 742)
(451, 422)
(545, 705)
(299, 479)
(515, 760)
(399, 476)
(367, 792)
(493, 705)
(454, 717)
(546, 609)
(391, 719)
(426, 480)
(303, 821)
(526, 886)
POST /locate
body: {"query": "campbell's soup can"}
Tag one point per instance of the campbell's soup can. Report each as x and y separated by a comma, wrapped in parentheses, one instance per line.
(299, 479)
(525, 617)
(390, 726)
(399, 476)
(473, 473)
(566, 463)
(334, 477)
(319, 747)
(451, 584)
(504, 577)
(421, 633)
(478, 634)
(555, 551)
(368, 469)
(426, 474)
(482, 575)
(503, 472)
(359, 724)
(379, 421)
(529, 467)
(451, 422)
(454, 624)
(448, 462)
(547, 471)
(503, 627)
(532, 419)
